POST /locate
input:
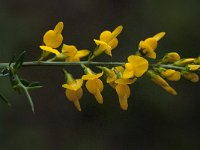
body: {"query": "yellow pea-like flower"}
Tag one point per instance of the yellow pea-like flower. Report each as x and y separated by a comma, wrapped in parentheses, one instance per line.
(73, 88)
(193, 67)
(148, 46)
(94, 85)
(193, 77)
(54, 38)
(171, 74)
(171, 57)
(135, 67)
(72, 54)
(50, 50)
(197, 60)
(75, 96)
(107, 42)
(184, 62)
(161, 82)
(123, 92)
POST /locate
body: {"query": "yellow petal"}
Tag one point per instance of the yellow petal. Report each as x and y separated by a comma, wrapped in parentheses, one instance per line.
(171, 57)
(159, 36)
(137, 64)
(52, 39)
(175, 77)
(193, 67)
(51, 50)
(59, 27)
(77, 105)
(95, 87)
(152, 43)
(113, 43)
(125, 81)
(128, 73)
(69, 50)
(116, 32)
(168, 72)
(99, 97)
(123, 92)
(75, 85)
(82, 53)
(145, 47)
(151, 54)
(119, 68)
(92, 76)
(74, 95)
(105, 36)
(103, 44)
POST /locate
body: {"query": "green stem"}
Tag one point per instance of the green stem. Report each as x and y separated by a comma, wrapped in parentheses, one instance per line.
(169, 66)
(57, 63)
(20, 84)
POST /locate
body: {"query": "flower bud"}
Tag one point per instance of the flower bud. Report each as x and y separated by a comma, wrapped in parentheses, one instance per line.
(193, 77)
(160, 81)
(171, 57)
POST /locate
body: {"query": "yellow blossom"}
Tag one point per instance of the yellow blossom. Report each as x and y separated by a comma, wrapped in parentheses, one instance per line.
(193, 67)
(136, 66)
(73, 88)
(197, 60)
(50, 50)
(75, 96)
(171, 74)
(193, 77)
(107, 42)
(52, 40)
(72, 54)
(171, 57)
(148, 46)
(184, 62)
(160, 81)
(123, 92)
(120, 84)
(94, 85)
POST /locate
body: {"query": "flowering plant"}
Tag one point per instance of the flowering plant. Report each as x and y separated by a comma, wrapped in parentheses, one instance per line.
(119, 75)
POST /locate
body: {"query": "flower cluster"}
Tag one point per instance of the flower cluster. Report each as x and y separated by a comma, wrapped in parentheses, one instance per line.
(171, 67)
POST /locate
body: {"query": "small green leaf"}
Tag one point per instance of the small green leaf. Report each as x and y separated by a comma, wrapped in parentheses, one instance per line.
(19, 61)
(33, 84)
(4, 99)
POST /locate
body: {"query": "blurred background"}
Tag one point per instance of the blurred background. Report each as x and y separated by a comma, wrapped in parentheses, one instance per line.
(155, 119)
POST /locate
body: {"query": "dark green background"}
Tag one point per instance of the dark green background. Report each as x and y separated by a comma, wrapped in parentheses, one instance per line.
(155, 119)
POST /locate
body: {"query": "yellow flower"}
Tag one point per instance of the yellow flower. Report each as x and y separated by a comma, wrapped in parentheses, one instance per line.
(94, 85)
(136, 66)
(50, 50)
(184, 62)
(148, 46)
(72, 54)
(123, 92)
(171, 74)
(120, 84)
(75, 96)
(53, 39)
(193, 77)
(108, 41)
(160, 81)
(171, 57)
(73, 88)
(193, 67)
(197, 60)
